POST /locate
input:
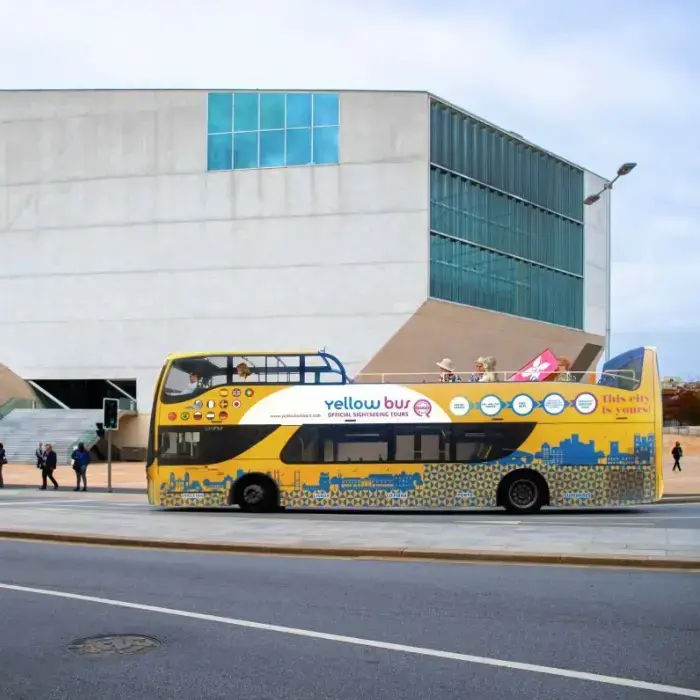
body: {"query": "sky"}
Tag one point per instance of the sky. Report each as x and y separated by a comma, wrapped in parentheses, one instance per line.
(599, 83)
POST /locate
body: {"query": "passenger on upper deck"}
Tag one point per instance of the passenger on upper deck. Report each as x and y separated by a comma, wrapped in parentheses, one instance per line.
(196, 382)
(447, 371)
(564, 373)
(489, 365)
(243, 370)
(478, 372)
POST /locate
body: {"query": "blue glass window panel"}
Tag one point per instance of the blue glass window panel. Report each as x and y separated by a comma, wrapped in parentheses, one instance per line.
(298, 146)
(245, 150)
(245, 111)
(272, 110)
(219, 152)
(326, 144)
(271, 148)
(220, 112)
(325, 109)
(298, 109)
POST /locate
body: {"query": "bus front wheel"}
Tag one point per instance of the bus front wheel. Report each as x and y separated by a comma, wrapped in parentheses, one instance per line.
(255, 494)
(523, 492)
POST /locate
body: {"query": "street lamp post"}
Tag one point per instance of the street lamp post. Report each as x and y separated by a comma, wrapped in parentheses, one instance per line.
(624, 169)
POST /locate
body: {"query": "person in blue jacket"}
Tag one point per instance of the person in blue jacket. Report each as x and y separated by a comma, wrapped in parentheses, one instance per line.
(81, 459)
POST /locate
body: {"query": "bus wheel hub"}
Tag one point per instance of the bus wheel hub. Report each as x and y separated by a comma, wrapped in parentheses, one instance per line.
(523, 493)
(253, 494)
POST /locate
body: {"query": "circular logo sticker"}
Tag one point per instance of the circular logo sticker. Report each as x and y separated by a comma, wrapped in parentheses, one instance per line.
(236, 404)
(236, 392)
(585, 403)
(522, 405)
(249, 392)
(185, 415)
(197, 404)
(197, 415)
(211, 403)
(490, 405)
(459, 406)
(223, 403)
(554, 404)
(223, 392)
(422, 408)
(211, 415)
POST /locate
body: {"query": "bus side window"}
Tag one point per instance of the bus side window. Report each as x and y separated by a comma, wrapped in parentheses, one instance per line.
(328, 450)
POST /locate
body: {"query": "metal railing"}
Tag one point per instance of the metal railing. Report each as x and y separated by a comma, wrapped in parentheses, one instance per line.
(628, 376)
(12, 404)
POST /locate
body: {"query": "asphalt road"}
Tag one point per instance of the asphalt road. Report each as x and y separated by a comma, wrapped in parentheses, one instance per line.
(662, 515)
(631, 625)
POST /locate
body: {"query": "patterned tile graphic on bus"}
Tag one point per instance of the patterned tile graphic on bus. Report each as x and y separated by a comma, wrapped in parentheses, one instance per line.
(577, 471)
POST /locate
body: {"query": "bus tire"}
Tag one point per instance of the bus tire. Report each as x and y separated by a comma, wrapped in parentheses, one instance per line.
(255, 493)
(523, 491)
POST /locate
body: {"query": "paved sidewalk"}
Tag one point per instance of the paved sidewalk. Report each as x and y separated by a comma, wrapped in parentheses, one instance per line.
(623, 533)
(125, 475)
(132, 475)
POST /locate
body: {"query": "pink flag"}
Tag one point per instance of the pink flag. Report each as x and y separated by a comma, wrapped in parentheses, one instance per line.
(538, 369)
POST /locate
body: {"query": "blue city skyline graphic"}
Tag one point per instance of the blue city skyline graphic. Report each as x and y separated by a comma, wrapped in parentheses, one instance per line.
(374, 482)
(186, 485)
(570, 451)
(573, 451)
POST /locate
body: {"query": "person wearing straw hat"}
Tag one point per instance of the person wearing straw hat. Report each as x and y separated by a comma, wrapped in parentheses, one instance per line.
(447, 370)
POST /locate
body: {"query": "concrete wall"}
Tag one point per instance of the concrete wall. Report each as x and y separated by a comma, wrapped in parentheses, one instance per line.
(118, 247)
(463, 333)
(596, 219)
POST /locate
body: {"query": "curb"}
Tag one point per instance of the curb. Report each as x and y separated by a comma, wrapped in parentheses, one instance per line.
(669, 498)
(408, 554)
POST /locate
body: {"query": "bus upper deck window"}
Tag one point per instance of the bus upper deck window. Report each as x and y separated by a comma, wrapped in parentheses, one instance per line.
(190, 376)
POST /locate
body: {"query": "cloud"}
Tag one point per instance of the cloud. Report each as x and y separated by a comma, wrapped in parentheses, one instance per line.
(597, 82)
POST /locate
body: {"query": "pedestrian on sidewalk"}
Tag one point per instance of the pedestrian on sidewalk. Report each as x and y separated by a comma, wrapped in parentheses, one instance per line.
(40, 453)
(3, 460)
(81, 459)
(677, 453)
(47, 467)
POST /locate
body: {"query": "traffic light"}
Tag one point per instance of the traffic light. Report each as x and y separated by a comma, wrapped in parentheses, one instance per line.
(100, 429)
(110, 409)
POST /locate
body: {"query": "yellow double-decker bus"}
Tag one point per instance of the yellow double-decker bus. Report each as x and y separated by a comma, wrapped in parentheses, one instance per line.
(290, 429)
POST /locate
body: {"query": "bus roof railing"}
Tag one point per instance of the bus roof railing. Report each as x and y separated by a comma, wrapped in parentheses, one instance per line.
(501, 376)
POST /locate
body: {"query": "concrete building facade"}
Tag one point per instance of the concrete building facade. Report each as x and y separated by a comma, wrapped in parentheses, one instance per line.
(138, 223)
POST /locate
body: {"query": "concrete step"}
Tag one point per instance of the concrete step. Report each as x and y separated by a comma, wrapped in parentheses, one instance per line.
(22, 430)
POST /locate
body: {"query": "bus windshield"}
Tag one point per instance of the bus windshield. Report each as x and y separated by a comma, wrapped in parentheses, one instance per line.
(624, 371)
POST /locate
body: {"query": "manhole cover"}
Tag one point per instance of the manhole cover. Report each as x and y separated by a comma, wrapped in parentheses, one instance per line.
(113, 645)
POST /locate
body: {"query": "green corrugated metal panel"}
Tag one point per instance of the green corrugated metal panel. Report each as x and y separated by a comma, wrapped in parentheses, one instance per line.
(466, 210)
(493, 157)
(469, 274)
(506, 222)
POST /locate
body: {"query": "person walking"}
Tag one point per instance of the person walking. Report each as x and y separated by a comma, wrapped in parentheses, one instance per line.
(677, 453)
(40, 453)
(81, 459)
(3, 460)
(48, 466)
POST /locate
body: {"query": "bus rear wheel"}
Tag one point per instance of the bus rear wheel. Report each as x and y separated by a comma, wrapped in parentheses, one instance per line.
(255, 494)
(523, 493)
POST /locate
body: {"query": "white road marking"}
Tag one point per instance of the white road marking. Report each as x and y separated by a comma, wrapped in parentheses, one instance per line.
(358, 641)
(488, 522)
(42, 503)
